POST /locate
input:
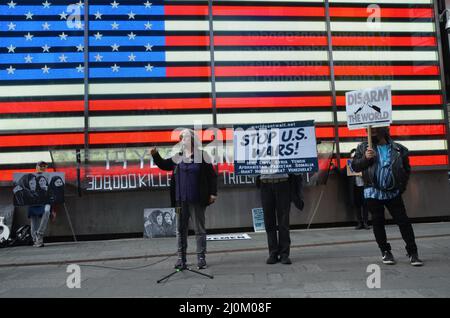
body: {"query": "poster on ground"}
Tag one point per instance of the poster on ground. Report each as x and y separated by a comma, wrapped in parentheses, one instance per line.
(258, 220)
(228, 237)
(159, 222)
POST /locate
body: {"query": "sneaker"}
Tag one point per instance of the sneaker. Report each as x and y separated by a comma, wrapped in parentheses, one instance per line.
(201, 263)
(359, 226)
(415, 261)
(285, 260)
(273, 259)
(366, 226)
(388, 258)
(180, 264)
(39, 241)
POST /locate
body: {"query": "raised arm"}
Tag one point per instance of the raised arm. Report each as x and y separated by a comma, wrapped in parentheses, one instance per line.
(163, 164)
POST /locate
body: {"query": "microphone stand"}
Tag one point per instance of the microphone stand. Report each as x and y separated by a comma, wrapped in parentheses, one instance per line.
(179, 270)
(184, 268)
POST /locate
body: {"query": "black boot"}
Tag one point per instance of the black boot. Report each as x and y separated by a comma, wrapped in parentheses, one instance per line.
(360, 226)
(201, 261)
(181, 261)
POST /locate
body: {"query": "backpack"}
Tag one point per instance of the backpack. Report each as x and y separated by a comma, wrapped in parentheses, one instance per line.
(22, 237)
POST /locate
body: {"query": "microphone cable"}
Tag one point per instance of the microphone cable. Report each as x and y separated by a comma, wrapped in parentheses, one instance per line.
(128, 268)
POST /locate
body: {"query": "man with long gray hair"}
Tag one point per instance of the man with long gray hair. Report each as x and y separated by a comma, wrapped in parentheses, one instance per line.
(193, 188)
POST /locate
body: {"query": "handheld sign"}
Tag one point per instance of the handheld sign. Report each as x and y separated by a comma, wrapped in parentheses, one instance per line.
(275, 148)
(371, 107)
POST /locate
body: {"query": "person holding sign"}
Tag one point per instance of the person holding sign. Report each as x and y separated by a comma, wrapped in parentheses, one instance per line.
(277, 193)
(385, 169)
(193, 188)
(356, 195)
(276, 204)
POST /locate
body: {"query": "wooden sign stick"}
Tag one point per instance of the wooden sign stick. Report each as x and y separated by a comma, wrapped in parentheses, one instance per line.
(369, 136)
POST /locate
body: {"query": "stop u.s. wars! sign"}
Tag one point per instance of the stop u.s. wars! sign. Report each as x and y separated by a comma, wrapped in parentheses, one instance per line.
(275, 148)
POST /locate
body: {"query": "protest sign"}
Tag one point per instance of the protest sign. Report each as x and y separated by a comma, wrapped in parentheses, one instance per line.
(275, 148)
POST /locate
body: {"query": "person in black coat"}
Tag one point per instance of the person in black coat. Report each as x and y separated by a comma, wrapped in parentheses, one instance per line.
(356, 200)
(277, 193)
(25, 191)
(56, 190)
(193, 187)
(168, 224)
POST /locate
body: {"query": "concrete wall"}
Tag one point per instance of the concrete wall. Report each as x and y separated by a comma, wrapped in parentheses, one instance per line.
(428, 195)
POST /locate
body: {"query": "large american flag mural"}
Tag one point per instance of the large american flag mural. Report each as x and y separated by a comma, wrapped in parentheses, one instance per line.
(150, 71)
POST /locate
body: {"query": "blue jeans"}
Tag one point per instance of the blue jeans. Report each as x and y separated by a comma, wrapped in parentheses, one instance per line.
(39, 223)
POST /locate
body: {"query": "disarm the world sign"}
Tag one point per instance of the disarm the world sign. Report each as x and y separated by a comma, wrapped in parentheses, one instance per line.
(369, 107)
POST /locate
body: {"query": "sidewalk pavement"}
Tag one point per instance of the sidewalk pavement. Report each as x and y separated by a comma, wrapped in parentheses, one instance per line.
(326, 263)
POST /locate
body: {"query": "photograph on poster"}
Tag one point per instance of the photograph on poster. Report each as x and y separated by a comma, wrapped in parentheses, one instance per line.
(38, 188)
(159, 222)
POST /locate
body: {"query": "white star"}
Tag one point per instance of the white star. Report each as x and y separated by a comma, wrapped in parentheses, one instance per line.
(11, 26)
(132, 57)
(80, 68)
(45, 69)
(131, 15)
(28, 59)
(10, 70)
(98, 57)
(115, 4)
(63, 16)
(46, 4)
(98, 36)
(131, 36)
(80, 4)
(11, 5)
(46, 26)
(80, 48)
(63, 36)
(79, 25)
(148, 47)
(148, 68)
(148, 26)
(115, 47)
(11, 48)
(98, 15)
(62, 58)
(28, 37)
(115, 26)
(115, 68)
(29, 15)
(46, 48)
(148, 4)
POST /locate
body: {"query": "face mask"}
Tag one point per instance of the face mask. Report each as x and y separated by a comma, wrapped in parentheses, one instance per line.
(375, 139)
